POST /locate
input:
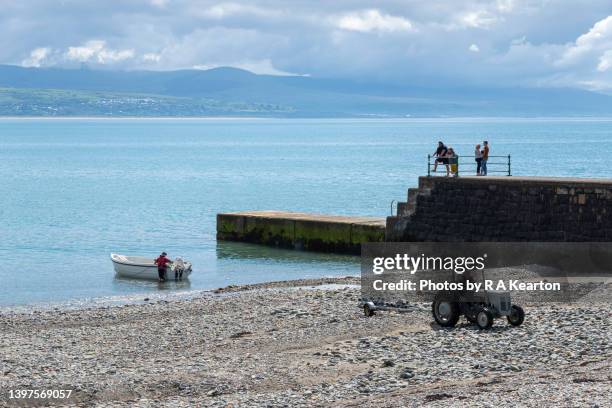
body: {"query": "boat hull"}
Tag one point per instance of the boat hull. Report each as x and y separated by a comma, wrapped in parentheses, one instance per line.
(146, 269)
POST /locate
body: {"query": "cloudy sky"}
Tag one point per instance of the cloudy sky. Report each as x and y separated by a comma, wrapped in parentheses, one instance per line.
(513, 42)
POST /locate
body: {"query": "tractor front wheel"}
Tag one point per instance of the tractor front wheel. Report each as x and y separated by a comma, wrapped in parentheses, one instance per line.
(484, 319)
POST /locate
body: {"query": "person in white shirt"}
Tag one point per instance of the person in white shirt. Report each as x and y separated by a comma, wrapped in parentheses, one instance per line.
(478, 155)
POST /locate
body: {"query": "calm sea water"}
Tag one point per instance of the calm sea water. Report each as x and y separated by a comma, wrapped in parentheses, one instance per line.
(75, 190)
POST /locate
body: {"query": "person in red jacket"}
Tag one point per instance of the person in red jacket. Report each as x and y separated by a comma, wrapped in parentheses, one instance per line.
(161, 263)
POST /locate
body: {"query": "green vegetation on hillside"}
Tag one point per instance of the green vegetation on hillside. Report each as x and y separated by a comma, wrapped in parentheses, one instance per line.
(54, 102)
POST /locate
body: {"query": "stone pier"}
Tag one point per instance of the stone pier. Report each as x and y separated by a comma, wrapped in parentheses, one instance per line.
(504, 209)
(446, 210)
(312, 232)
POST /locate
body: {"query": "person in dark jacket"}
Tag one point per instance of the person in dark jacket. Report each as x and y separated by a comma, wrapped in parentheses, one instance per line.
(440, 156)
(161, 263)
(485, 158)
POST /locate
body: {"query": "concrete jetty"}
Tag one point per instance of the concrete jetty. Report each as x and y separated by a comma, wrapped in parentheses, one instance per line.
(312, 232)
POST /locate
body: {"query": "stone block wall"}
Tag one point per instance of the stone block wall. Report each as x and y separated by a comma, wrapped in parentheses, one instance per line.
(506, 209)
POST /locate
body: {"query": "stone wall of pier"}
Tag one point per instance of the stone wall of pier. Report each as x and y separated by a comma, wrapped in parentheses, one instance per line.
(504, 209)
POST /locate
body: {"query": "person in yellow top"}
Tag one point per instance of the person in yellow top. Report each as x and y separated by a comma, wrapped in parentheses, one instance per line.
(485, 157)
(453, 160)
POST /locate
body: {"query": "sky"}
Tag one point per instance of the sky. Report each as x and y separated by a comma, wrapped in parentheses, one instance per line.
(533, 43)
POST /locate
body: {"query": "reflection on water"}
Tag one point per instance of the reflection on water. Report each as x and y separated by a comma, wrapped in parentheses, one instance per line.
(239, 250)
(122, 283)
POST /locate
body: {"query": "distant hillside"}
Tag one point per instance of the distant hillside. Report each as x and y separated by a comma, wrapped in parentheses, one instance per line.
(230, 91)
(54, 102)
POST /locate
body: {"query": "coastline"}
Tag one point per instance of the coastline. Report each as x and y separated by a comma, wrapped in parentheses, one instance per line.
(304, 343)
(397, 119)
(139, 298)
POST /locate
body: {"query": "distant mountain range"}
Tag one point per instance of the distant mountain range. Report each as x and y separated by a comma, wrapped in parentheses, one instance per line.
(235, 92)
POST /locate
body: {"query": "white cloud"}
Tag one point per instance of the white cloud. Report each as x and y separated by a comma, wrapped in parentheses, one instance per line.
(223, 10)
(602, 30)
(583, 63)
(605, 61)
(105, 56)
(222, 46)
(160, 3)
(478, 19)
(85, 52)
(96, 50)
(597, 40)
(595, 85)
(587, 62)
(373, 20)
(262, 67)
(408, 41)
(151, 57)
(506, 6)
(37, 57)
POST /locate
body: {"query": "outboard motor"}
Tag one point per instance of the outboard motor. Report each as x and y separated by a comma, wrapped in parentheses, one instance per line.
(178, 266)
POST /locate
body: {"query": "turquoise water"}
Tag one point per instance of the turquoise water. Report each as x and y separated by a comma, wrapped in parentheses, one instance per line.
(75, 190)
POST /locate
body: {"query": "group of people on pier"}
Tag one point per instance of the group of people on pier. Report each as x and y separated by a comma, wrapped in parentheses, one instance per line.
(447, 157)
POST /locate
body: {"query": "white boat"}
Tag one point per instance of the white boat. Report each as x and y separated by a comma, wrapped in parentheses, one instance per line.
(140, 267)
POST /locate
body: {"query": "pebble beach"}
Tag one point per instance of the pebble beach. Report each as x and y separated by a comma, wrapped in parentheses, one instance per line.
(303, 343)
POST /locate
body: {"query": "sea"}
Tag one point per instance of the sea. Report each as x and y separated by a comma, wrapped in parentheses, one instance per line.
(74, 190)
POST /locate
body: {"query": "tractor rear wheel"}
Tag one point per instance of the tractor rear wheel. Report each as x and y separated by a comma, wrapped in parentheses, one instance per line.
(445, 312)
(516, 316)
